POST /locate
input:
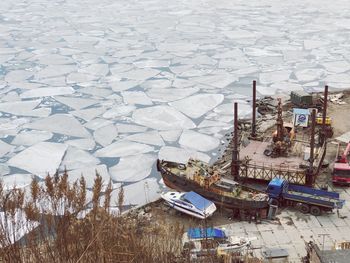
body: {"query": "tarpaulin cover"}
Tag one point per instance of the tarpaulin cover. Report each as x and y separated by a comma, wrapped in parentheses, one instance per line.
(205, 233)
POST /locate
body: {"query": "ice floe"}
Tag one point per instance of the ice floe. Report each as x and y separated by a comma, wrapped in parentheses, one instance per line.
(88, 114)
(5, 148)
(31, 137)
(197, 105)
(44, 92)
(136, 97)
(133, 168)
(123, 148)
(106, 134)
(60, 123)
(76, 159)
(140, 193)
(129, 128)
(151, 137)
(198, 141)
(40, 159)
(171, 135)
(84, 144)
(171, 94)
(4, 169)
(162, 118)
(76, 103)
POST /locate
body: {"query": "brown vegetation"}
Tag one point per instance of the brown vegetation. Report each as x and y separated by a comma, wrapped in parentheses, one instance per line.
(64, 226)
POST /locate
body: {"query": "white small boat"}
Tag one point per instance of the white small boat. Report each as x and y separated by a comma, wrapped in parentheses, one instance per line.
(190, 203)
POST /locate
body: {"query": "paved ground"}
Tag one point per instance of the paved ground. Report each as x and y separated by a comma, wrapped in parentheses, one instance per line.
(292, 229)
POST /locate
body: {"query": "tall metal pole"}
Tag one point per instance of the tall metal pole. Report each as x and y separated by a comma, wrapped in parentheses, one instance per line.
(253, 134)
(310, 170)
(325, 99)
(234, 164)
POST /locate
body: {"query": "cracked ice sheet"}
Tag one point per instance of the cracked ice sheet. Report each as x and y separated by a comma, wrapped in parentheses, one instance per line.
(140, 193)
(171, 94)
(40, 159)
(60, 123)
(16, 181)
(31, 137)
(180, 155)
(133, 168)
(5, 148)
(46, 92)
(136, 97)
(162, 118)
(106, 134)
(198, 105)
(89, 174)
(76, 103)
(76, 159)
(198, 141)
(151, 137)
(123, 148)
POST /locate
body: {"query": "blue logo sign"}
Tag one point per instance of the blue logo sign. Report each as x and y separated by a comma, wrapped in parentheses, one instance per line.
(301, 118)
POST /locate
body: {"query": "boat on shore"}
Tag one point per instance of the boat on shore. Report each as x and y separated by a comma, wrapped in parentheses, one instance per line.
(190, 203)
(199, 177)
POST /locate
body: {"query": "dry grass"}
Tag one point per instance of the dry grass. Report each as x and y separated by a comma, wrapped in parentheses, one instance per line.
(58, 232)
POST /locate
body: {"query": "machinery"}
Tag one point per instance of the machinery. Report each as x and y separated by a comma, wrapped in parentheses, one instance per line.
(281, 138)
(341, 169)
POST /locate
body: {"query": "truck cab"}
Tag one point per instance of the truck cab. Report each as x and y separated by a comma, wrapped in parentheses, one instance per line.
(276, 188)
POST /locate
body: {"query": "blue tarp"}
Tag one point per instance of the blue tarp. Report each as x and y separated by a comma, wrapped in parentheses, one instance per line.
(194, 233)
(198, 201)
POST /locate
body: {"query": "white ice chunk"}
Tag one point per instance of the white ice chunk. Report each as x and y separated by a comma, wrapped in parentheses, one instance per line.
(19, 107)
(97, 123)
(165, 95)
(16, 181)
(140, 74)
(118, 111)
(76, 158)
(152, 63)
(60, 123)
(130, 128)
(88, 114)
(136, 97)
(133, 168)
(313, 44)
(274, 76)
(140, 193)
(78, 77)
(55, 70)
(45, 92)
(198, 141)
(95, 91)
(89, 174)
(84, 144)
(337, 66)
(338, 78)
(157, 84)
(218, 81)
(124, 85)
(151, 137)
(18, 75)
(4, 169)
(197, 105)
(180, 155)
(40, 159)
(76, 102)
(31, 137)
(96, 69)
(106, 134)
(307, 75)
(5, 148)
(162, 118)
(123, 148)
(266, 91)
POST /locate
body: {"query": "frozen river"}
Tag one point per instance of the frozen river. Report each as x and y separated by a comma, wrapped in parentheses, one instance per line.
(113, 85)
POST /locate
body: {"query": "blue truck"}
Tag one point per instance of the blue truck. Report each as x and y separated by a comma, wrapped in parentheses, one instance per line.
(305, 198)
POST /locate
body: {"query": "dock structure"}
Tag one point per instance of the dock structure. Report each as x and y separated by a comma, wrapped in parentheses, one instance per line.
(299, 164)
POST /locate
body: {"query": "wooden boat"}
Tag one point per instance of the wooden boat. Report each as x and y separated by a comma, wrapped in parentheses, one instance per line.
(199, 177)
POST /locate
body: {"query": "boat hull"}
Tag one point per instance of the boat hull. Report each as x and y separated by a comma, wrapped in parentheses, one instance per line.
(182, 184)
